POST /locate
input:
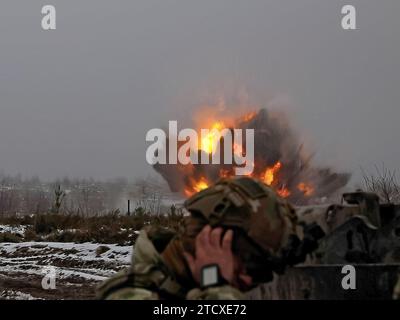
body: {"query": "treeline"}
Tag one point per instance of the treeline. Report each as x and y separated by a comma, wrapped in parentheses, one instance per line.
(85, 197)
(110, 228)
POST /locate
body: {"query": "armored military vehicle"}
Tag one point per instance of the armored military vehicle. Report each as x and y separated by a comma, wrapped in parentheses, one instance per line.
(359, 232)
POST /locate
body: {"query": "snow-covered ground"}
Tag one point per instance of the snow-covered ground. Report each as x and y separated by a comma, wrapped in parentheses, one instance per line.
(13, 229)
(77, 266)
(36, 255)
(16, 295)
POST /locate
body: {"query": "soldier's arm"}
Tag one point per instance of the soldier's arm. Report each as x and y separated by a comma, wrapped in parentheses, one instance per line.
(122, 287)
(137, 281)
(132, 294)
(213, 248)
(216, 293)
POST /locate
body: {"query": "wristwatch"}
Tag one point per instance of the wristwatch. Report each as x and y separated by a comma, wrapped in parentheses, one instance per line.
(211, 276)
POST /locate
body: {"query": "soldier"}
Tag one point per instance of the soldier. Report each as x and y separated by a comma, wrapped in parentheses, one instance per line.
(235, 235)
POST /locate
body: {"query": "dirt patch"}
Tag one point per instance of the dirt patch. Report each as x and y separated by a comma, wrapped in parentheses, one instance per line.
(71, 289)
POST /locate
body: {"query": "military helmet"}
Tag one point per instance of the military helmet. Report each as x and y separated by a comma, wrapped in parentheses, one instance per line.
(249, 205)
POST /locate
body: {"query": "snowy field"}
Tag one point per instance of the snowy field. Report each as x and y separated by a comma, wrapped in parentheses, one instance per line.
(79, 267)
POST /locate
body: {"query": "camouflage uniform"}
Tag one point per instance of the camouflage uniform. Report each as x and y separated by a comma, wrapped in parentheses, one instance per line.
(265, 239)
(148, 278)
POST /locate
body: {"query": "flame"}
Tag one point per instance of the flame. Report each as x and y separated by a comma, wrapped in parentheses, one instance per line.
(208, 142)
(270, 173)
(307, 189)
(200, 185)
(223, 173)
(283, 192)
(197, 186)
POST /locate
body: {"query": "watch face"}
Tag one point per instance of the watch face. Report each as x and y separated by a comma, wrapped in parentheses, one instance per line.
(209, 276)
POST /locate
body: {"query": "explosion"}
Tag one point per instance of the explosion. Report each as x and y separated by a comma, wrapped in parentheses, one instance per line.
(280, 161)
(208, 142)
(270, 173)
(196, 186)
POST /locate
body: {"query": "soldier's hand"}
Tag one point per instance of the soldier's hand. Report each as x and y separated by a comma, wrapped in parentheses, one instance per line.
(212, 248)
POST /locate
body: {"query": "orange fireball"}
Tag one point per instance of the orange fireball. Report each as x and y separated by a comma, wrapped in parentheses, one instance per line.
(270, 173)
(283, 192)
(307, 189)
(197, 186)
(208, 142)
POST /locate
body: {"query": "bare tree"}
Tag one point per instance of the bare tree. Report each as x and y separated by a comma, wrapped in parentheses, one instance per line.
(90, 199)
(148, 195)
(59, 196)
(383, 183)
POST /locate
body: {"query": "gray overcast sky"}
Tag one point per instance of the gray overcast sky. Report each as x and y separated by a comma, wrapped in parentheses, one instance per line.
(79, 100)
